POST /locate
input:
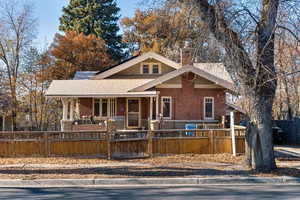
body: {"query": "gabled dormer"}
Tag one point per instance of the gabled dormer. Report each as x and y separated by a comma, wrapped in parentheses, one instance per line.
(148, 65)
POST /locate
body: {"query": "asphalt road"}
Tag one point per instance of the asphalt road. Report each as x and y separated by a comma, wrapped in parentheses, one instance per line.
(273, 192)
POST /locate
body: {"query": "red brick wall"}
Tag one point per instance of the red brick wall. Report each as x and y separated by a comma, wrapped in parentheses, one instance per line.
(187, 102)
(145, 105)
(86, 106)
(121, 106)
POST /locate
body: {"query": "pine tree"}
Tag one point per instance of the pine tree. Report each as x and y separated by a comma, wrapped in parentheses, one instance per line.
(97, 17)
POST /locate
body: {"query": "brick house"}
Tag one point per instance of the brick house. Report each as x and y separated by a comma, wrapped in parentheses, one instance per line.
(144, 88)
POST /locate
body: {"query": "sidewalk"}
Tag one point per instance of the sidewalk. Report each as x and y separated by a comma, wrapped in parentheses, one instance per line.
(148, 182)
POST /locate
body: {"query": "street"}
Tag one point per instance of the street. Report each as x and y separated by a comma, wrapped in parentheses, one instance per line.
(157, 192)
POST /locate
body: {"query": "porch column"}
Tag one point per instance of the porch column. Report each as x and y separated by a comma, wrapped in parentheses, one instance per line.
(65, 108)
(151, 108)
(3, 122)
(157, 112)
(77, 109)
(72, 110)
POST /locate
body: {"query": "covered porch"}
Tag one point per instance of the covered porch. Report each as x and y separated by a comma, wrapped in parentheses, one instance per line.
(92, 113)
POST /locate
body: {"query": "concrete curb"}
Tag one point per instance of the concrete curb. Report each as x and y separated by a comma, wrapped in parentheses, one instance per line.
(147, 181)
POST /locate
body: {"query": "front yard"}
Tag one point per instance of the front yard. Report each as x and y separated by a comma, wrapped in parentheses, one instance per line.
(189, 165)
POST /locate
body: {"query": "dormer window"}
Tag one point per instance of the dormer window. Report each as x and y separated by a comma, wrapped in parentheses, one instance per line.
(150, 68)
(145, 69)
(155, 69)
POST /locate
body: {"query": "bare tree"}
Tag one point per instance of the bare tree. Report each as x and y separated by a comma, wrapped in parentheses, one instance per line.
(254, 70)
(16, 33)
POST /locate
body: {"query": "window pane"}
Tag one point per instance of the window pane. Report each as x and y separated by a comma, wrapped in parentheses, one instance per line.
(145, 69)
(209, 108)
(166, 107)
(133, 105)
(155, 69)
(96, 108)
(133, 119)
(104, 107)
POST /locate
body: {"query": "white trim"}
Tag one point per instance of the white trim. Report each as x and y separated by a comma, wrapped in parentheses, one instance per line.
(135, 61)
(161, 106)
(209, 86)
(218, 81)
(159, 68)
(139, 114)
(142, 68)
(213, 109)
(110, 113)
(150, 68)
(151, 108)
(157, 107)
(169, 86)
(131, 94)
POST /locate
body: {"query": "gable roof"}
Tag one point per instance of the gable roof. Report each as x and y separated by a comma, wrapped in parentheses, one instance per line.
(217, 80)
(217, 69)
(134, 61)
(110, 67)
(96, 88)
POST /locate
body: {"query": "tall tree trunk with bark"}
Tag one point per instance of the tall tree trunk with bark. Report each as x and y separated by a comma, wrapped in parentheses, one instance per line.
(257, 81)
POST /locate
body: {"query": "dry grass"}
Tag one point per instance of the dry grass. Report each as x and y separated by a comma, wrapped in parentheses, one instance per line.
(160, 160)
(195, 159)
(165, 166)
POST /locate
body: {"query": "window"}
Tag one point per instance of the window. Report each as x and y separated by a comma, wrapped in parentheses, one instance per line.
(150, 68)
(155, 69)
(208, 108)
(166, 107)
(105, 107)
(145, 69)
(97, 107)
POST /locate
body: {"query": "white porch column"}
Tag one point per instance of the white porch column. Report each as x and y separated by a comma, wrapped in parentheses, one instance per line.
(232, 133)
(77, 109)
(157, 111)
(65, 108)
(72, 110)
(151, 108)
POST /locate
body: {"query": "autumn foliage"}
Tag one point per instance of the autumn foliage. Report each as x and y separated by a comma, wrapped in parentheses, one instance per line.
(78, 52)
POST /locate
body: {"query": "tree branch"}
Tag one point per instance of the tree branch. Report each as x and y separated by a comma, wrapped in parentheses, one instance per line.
(290, 31)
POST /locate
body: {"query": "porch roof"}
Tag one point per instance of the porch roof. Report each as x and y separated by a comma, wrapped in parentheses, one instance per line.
(98, 88)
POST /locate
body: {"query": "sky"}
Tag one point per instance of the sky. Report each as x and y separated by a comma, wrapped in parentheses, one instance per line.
(48, 12)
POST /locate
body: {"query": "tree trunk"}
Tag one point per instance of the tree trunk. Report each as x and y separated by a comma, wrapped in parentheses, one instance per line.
(259, 140)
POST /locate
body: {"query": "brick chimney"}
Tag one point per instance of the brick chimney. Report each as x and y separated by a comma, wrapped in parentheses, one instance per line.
(187, 54)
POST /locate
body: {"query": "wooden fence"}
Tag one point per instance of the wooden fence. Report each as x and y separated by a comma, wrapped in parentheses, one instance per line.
(119, 143)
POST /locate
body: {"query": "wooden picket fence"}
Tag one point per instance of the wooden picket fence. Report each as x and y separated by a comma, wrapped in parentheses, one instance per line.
(120, 143)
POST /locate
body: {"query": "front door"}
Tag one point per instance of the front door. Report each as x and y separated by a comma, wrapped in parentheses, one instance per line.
(133, 112)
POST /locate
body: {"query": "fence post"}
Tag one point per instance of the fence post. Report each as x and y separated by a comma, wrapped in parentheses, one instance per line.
(108, 144)
(46, 142)
(211, 142)
(150, 143)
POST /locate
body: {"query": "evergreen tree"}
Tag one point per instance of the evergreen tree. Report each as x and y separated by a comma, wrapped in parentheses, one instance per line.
(97, 17)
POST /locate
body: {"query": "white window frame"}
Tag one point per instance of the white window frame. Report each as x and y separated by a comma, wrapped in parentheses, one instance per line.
(159, 68)
(161, 106)
(150, 67)
(213, 108)
(109, 108)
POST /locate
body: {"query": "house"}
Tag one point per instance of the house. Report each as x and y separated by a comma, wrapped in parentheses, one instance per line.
(142, 89)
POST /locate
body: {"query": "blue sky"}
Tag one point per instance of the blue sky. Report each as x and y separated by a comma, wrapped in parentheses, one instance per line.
(49, 11)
